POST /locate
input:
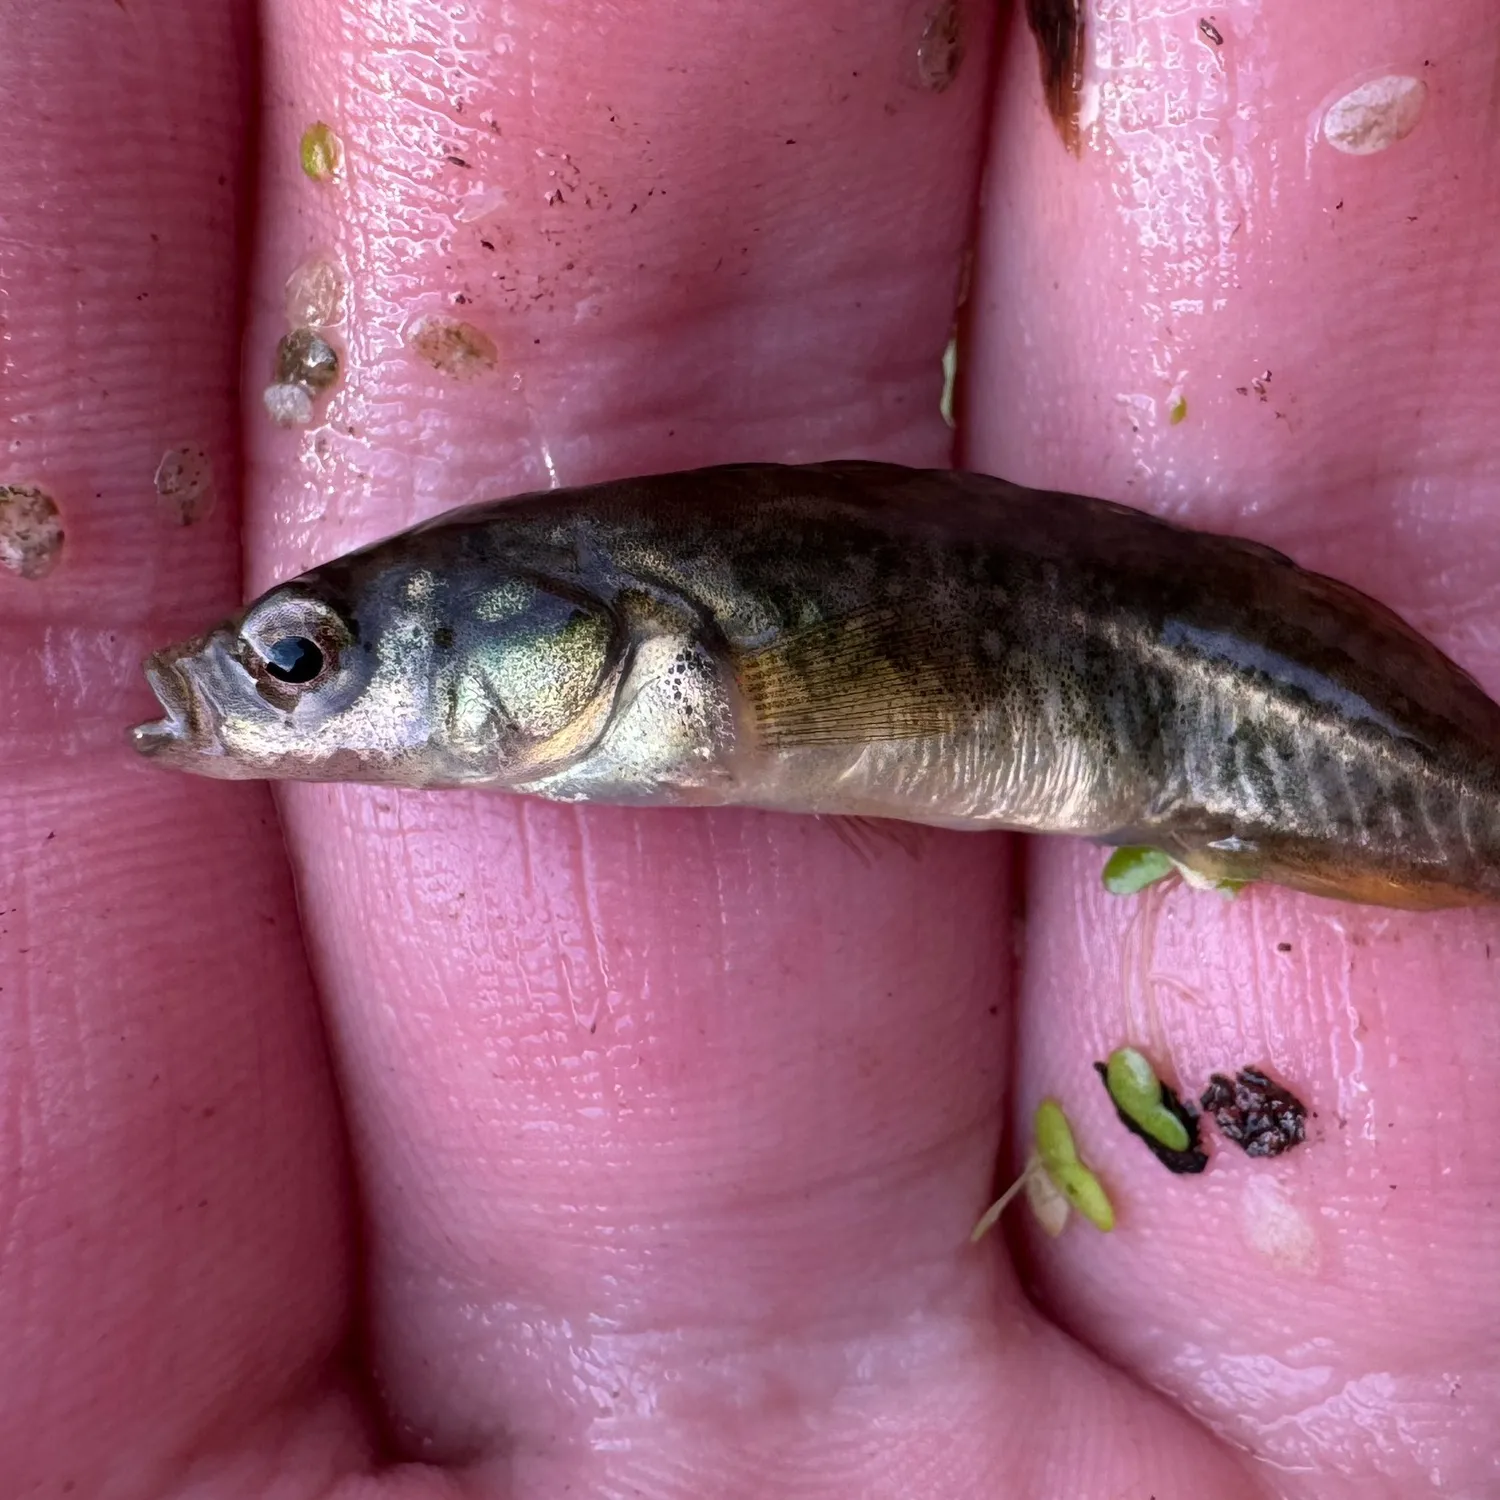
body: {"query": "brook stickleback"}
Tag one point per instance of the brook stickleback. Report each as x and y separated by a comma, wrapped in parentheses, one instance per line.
(861, 638)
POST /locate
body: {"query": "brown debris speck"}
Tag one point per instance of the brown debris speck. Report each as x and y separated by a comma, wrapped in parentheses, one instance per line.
(185, 483)
(304, 357)
(1210, 32)
(456, 348)
(31, 534)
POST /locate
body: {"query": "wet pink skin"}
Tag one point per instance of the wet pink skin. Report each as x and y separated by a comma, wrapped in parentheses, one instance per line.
(603, 1153)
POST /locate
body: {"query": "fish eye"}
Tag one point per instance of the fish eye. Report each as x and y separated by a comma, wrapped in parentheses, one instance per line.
(294, 659)
(291, 643)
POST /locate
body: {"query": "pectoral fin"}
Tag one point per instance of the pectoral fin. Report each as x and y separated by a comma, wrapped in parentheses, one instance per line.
(873, 675)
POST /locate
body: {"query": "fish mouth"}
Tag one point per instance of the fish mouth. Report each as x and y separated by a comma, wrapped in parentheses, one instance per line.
(176, 730)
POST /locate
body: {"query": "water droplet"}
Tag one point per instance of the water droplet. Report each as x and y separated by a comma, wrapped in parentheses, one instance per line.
(288, 405)
(941, 49)
(482, 203)
(315, 295)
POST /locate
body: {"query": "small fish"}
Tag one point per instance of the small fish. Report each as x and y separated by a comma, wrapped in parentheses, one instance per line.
(864, 639)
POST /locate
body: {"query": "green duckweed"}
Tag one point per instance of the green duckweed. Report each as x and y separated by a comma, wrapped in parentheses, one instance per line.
(1129, 870)
(1137, 1093)
(1059, 1158)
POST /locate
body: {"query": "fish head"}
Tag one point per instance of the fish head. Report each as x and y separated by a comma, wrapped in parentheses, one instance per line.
(266, 695)
(391, 673)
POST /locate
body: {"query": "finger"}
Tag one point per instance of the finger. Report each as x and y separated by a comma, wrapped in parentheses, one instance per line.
(173, 1228)
(1223, 313)
(672, 1127)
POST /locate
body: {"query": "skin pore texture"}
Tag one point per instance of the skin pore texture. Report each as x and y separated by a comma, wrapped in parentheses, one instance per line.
(587, 1152)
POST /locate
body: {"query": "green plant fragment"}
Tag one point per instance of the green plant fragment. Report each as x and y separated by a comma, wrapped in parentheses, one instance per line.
(950, 380)
(1129, 870)
(1054, 1136)
(1057, 1152)
(320, 152)
(1085, 1193)
(1137, 1093)
(1045, 1199)
(991, 1216)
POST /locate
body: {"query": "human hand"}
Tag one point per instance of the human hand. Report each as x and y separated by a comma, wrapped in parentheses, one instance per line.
(657, 1136)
